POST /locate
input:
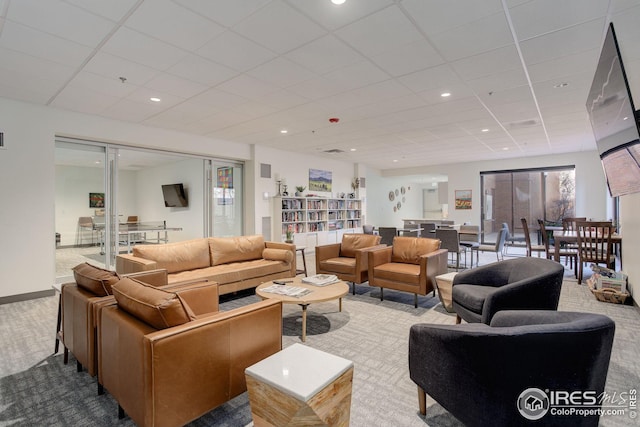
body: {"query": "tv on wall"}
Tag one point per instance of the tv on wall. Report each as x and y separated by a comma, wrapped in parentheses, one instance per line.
(614, 120)
(174, 196)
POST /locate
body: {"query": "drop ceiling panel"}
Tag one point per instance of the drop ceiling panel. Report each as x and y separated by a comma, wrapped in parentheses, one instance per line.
(438, 16)
(41, 45)
(499, 81)
(360, 74)
(201, 70)
(83, 100)
(99, 84)
(565, 42)
(333, 17)
(580, 62)
(225, 12)
(431, 78)
(165, 20)
(324, 55)
(175, 86)
(113, 67)
(282, 73)
(235, 51)
(544, 16)
(142, 49)
(247, 86)
(25, 87)
(482, 35)
(113, 10)
(408, 58)
(380, 32)
(275, 25)
(488, 63)
(62, 20)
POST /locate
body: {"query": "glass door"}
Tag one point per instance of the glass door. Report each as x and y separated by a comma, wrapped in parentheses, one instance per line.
(226, 208)
(80, 206)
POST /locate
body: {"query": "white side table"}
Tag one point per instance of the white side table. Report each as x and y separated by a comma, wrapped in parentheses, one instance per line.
(300, 386)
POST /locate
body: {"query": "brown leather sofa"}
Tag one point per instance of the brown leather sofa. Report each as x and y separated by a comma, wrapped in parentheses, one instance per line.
(235, 263)
(82, 299)
(411, 264)
(348, 259)
(167, 359)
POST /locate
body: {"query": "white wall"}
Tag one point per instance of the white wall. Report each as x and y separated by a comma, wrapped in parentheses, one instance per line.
(630, 230)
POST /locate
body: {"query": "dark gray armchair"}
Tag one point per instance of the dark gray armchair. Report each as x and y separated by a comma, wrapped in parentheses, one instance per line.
(479, 373)
(514, 284)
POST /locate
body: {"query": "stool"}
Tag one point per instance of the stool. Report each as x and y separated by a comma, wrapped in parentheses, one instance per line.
(58, 288)
(300, 386)
(304, 261)
(444, 285)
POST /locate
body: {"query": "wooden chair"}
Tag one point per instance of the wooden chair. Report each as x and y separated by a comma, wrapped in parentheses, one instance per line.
(568, 253)
(527, 237)
(594, 244)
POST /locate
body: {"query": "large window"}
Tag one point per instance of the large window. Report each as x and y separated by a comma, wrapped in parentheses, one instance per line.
(508, 196)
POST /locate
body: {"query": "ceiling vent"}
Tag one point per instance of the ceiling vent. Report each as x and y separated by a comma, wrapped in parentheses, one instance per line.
(334, 151)
(522, 124)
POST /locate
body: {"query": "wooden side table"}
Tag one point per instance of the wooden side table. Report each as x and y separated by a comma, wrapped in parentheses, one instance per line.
(300, 386)
(444, 283)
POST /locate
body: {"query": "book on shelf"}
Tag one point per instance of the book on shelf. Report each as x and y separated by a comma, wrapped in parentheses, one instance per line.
(321, 279)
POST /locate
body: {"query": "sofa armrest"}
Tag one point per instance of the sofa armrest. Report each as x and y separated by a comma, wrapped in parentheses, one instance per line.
(127, 263)
(201, 297)
(157, 278)
(329, 251)
(287, 246)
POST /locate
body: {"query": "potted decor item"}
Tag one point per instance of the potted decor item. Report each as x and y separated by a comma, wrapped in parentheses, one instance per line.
(289, 234)
(299, 190)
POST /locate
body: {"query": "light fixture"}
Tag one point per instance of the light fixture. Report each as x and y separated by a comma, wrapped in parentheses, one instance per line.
(484, 130)
(445, 94)
(560, 85)
(352, 149)
(395, 160)
(284, 131)
(338, 2)
(505, 148)
(155, 99)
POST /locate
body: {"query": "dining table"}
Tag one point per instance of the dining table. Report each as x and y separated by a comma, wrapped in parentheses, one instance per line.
(565, 236)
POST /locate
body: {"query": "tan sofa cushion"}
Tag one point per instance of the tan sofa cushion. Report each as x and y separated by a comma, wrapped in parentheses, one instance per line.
(158, 308)
(277, 255)
(177, 256)
(355, 241)
(232, 272)
(339, 265)
(233, 249)
(397, 272)
(96, 280)
(410, 249)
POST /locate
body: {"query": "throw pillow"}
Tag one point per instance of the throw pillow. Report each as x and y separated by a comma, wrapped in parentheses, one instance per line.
(94, 279)
(158, 308)
(274, 254)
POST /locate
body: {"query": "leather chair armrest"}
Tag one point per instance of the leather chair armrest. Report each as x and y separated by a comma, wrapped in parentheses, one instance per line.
(495, 274)
(327, 251)
(157, 278)
(431, 265)
(362, 257)
(127, 263)
(202, 297)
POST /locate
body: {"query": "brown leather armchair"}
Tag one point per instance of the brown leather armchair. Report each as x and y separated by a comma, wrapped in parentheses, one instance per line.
(347, 260)
(170, 374)
(81, 303)
(411, 264)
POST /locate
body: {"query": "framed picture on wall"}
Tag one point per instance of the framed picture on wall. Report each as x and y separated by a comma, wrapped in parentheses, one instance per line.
(96, 200)
(463, 199)
(319, 180)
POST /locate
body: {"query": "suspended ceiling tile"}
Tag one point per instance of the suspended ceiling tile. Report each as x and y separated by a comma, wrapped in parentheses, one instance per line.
(324, 55)
(236, 52)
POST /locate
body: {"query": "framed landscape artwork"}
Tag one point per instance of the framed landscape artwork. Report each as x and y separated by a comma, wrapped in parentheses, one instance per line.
(463, 199)
(319, 180)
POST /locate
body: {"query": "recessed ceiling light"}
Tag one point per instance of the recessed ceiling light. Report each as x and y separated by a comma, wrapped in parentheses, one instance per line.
(625, 118)
(353, 149)
(559, 85)
(338, 2)
(155, 99)
(284, 131)
(445, 94)
(484, 130)
(505, 148)
(395, 160)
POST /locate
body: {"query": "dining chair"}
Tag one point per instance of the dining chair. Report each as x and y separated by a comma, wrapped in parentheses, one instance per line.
(498, 247)
(527, 237)
(569, 253)
(427, 229)
(510, 239)
(450, 240)
(387, 234)
(594, 244)
(367, 229)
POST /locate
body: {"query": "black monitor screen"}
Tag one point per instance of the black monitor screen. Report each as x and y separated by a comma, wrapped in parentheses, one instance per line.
(174, 195)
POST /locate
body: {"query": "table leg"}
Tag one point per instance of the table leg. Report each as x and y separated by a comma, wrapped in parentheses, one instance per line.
(340, 303)
(556, 255)
(304, 321)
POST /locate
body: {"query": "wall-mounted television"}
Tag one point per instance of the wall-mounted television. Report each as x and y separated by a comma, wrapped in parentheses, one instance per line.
(614, 120)
(174, 196)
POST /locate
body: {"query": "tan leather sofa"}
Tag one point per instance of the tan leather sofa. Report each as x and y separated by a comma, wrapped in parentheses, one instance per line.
(411, 264)
(168, 361)
(235, 263)
(82, 301)
(348, 259)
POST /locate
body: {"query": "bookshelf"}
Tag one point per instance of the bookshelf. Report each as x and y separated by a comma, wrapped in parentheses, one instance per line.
(316, 220)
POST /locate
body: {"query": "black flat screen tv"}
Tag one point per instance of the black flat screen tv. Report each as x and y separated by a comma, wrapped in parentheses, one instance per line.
(174, 196)
(614, 120)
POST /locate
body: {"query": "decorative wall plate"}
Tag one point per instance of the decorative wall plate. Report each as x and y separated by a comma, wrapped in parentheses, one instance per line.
(392, 196)
(402, 190)
(397, 192)
(404, 199)
(399, 205)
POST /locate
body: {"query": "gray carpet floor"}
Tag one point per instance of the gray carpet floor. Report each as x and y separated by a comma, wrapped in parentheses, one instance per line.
(37, 389)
